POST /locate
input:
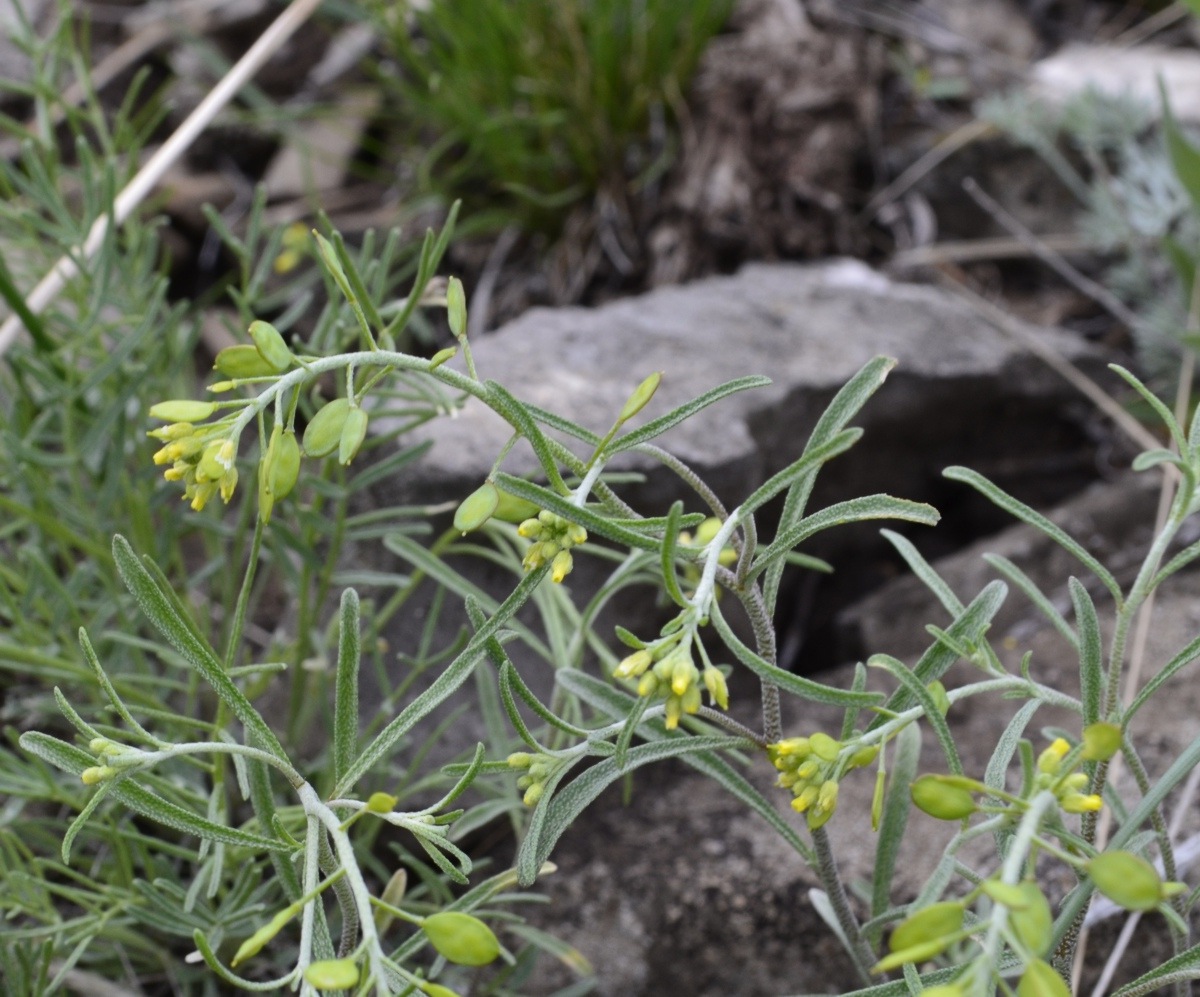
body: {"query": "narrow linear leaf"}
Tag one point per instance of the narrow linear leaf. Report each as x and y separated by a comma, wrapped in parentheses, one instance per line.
(345, 708)
(510, 675)
(857, 510)
(996, 774)
(808, 462)
(521, 419)
(568, 803)
(528, 862)
(796, 684)
(1091, 665)
(158, 609)
(1184, 966)
(656, 427)
(924, 571)
(1027, 515)
(1035, 595)
(456, 674)
(666, 559)
(1151, 399)
(967, 628)
(917, 691)
(1185, 157)
(1185, 657)
(894, 819)
(82, 818)
(850, 398)
(141, 800)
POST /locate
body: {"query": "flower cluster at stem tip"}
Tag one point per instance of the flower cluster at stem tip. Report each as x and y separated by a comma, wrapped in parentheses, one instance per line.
(538, 769)
(810, 767)
(666, 667)
(201, 457)
(553, 537)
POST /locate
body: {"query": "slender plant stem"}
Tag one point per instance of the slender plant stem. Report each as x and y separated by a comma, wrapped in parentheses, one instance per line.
(860, 952)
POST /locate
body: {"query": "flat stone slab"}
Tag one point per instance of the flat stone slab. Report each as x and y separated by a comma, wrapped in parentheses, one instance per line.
(807, 327)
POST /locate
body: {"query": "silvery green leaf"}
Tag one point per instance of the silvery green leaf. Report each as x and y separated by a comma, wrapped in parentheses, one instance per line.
(1091, 667)
(657, 427)
(345, 702)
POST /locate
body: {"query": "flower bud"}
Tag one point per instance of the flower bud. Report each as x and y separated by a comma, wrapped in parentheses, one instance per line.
(640, 397)
(530, 529)
(718, 690)
(561, 566)
(456, 307)
(1078, 803)
(477, 508)
(271, 346)
(381, 803)
(1101, 741)
(332, 974)
(520, 760)
(1049, 760)
(1127, 880)
(182, 410)
(1041, 980)
(241, 361)
(441, 356)
(634, 665)
(354, 431)
(95, 774)
(938, 799)
(461, 938)
(826, 803)
(647, 685)
(324, 430)
(533, 793)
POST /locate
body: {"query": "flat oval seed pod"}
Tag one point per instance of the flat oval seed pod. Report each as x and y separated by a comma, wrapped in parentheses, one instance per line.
(354, 431)
(270, 343)
(324, 431)
(242, 360)
(477, 508)
(182, 410)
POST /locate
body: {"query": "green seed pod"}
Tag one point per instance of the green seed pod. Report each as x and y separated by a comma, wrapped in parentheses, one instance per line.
(441, 356)
(930, 924)
(254, 944)
(436, 990)
(271, 345)
(456, 307)
(324, 431)
(332, 974)
(877, 799)
(938, 692)
(1033, 922)
(461, 938)
(285, 468)
(1041, 980)
(182, 410)
(477, 508)
(938, 799)
(511, 509)
(918, 953)
(1101, 741)
(1127, 880)
(354, 431)
(640, 397)
(242, 360)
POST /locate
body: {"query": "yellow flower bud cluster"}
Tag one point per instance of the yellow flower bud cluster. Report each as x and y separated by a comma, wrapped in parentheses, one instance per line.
(810, 768)
(1057, 773)
(538, 769)
(665, 667)
(553, 537)
(114, 759)
(199, 456)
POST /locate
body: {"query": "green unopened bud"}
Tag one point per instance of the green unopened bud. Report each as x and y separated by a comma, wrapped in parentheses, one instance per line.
(354, 431)
(533, 792)
(634, 665)
(933, 923)
(332, 974)
(477, 508)
(640, 397)
(531, 529)
(96, 773)
(436, 990)
(939, 799)
(456, 307)
(461, 938)
(1050, 760)
(182, 410)
(382, 803)
(826, 803)
(824, 746)
(647, 684)
(271, 345)
(324, 430)
(1127, 880)
(561, 566)
(240, 361)
(576, 535)
(441, 356)
(718, 690)
(938, 692)
(864, 756)
(1101, 741)
(520, 760)
(1041, 980)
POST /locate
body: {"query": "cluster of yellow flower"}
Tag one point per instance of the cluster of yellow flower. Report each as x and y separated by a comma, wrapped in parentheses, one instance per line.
(538, 769)
(553, 539)
(810, 767)
(199, 456)
(665, 667)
